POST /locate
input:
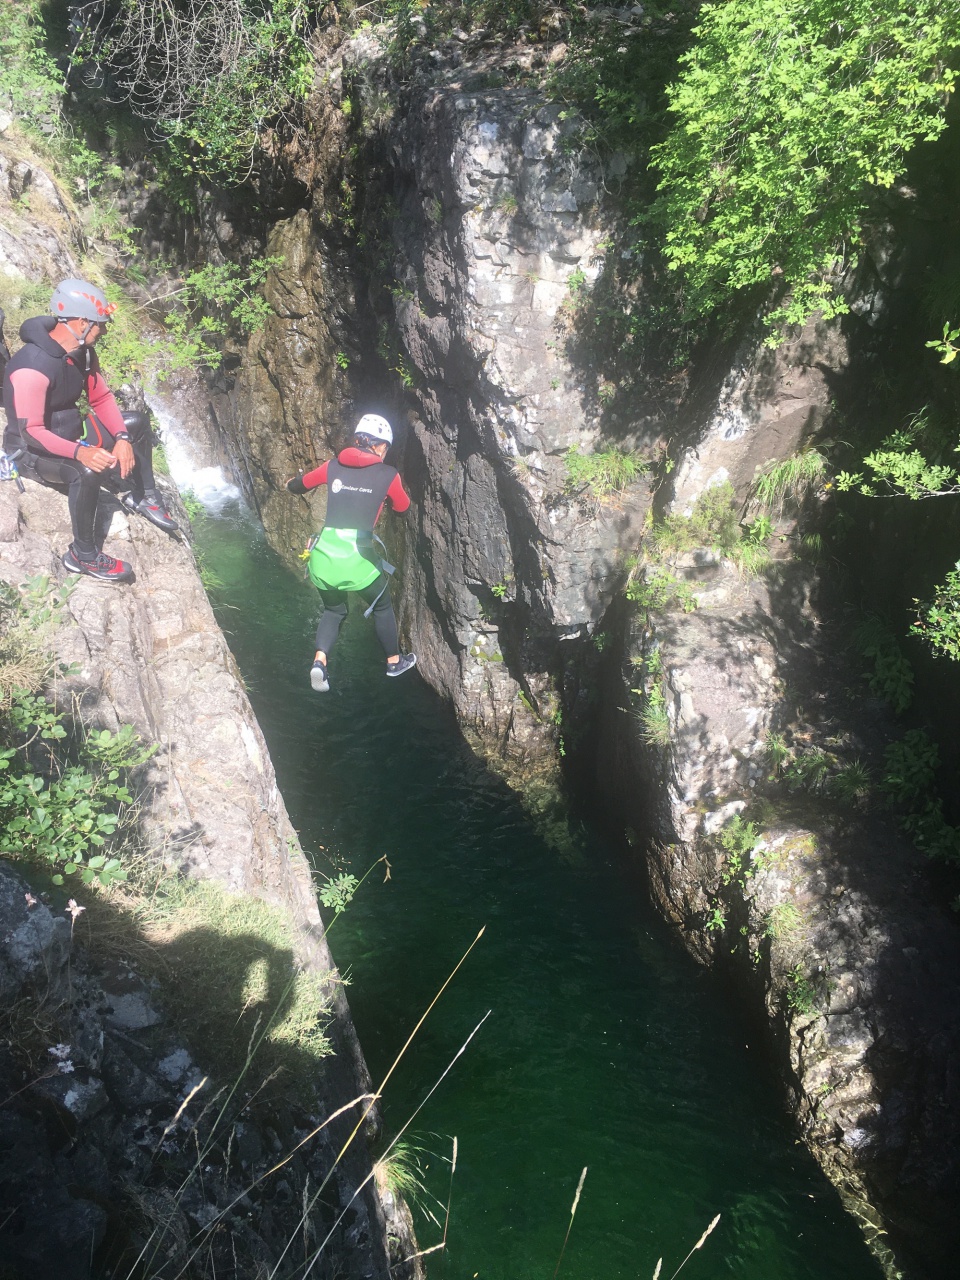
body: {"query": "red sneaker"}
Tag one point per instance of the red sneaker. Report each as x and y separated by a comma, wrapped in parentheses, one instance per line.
(151, 506)
(104, 568)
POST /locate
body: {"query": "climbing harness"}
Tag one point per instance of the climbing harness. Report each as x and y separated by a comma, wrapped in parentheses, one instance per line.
(388, 570)
(8, 468)
(342, 546)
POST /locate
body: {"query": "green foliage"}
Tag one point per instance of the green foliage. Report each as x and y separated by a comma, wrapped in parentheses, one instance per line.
(909, 782)
(892, 675)
(782, 921)
(909, 463)
(801, 993)
(209, 305)
(716, 920)
(29, 83)
(739, 840)
(786, 113)
(851, 782)
(68, 814)
(63, 802)
(192, 505)
(911, 766)
(653, 716)
(776, 755)
(28, 616)
(616, 75)
(161, 463)
(947, 346)
(713, 522)
(117, 751)
(336, 892)
(808, 771)
(752, 553)
(401, 1172)
(604, 474)
(210, 87)
(790, 481)
(21, 298)
(32, 87)
(658, 589)
(938, 619)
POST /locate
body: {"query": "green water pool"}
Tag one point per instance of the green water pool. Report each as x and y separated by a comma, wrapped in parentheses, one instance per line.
(606, 1047)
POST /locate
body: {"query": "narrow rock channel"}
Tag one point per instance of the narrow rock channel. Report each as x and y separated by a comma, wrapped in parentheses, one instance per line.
(605, 1047)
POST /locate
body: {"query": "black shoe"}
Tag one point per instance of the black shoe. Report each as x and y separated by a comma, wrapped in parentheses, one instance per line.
(151, 506)
(318, 677)
(404, 663)
(104, 567)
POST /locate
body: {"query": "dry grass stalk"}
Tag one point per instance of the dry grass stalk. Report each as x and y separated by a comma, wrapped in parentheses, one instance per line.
(573, 1214)
(697, 1246)
(395, 1140)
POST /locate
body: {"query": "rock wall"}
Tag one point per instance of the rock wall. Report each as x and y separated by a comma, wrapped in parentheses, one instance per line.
(830, 928)
(150, 654)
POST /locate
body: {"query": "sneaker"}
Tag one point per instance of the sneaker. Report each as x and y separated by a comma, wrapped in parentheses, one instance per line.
(151, 506)
(104, 567)
(318, 678)
(404, 663)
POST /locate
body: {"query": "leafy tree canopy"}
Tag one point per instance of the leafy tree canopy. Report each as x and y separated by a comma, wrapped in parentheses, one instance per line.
(786, 113)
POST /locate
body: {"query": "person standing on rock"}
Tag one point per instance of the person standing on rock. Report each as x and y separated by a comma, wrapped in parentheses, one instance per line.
(42, 387)
(343, 557)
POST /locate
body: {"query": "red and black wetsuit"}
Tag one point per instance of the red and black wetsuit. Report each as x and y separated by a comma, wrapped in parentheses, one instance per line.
(345, 558)
(42, 386)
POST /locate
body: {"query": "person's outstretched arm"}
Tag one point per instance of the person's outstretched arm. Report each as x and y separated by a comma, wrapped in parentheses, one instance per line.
(311, 480)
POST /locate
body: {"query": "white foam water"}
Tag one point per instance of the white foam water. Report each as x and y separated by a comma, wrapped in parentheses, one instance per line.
(209, 485)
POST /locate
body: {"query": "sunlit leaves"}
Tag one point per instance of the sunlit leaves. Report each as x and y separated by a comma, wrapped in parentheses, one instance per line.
(785, 114)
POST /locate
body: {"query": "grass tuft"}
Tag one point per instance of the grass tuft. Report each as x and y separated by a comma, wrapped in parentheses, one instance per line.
(790, 482)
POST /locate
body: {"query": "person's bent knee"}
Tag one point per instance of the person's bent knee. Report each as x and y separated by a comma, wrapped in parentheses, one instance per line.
(138, 428)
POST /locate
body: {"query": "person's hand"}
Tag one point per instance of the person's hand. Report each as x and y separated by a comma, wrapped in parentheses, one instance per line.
(123, 453)
(97, 459)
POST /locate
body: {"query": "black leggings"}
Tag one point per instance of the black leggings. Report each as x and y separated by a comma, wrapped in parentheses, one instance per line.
(83, 485)
(335, 610)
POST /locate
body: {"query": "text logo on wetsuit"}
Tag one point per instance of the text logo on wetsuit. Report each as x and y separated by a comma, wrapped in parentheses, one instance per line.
(336, 486)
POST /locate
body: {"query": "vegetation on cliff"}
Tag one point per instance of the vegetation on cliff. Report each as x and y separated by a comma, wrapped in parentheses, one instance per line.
(69, 811)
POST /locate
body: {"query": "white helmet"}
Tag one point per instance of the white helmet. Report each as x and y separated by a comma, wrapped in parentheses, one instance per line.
(371, 424)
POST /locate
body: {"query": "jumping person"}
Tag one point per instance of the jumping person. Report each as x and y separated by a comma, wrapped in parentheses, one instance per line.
(344, 557)
(42, 386)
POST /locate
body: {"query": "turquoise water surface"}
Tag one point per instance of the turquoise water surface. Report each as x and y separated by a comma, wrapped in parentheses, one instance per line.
(606, 1046)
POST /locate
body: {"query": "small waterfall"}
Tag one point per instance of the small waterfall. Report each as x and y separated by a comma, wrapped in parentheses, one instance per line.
(208, 483)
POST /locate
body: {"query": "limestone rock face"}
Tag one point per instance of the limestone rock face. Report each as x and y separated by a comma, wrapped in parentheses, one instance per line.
(288, 403)
(38, 233)
(504, 562)
(770, 405)
(481, 216)
(830, 919)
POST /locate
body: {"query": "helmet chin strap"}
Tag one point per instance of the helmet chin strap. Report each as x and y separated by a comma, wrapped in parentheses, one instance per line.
(86, 332)
(81, 338)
